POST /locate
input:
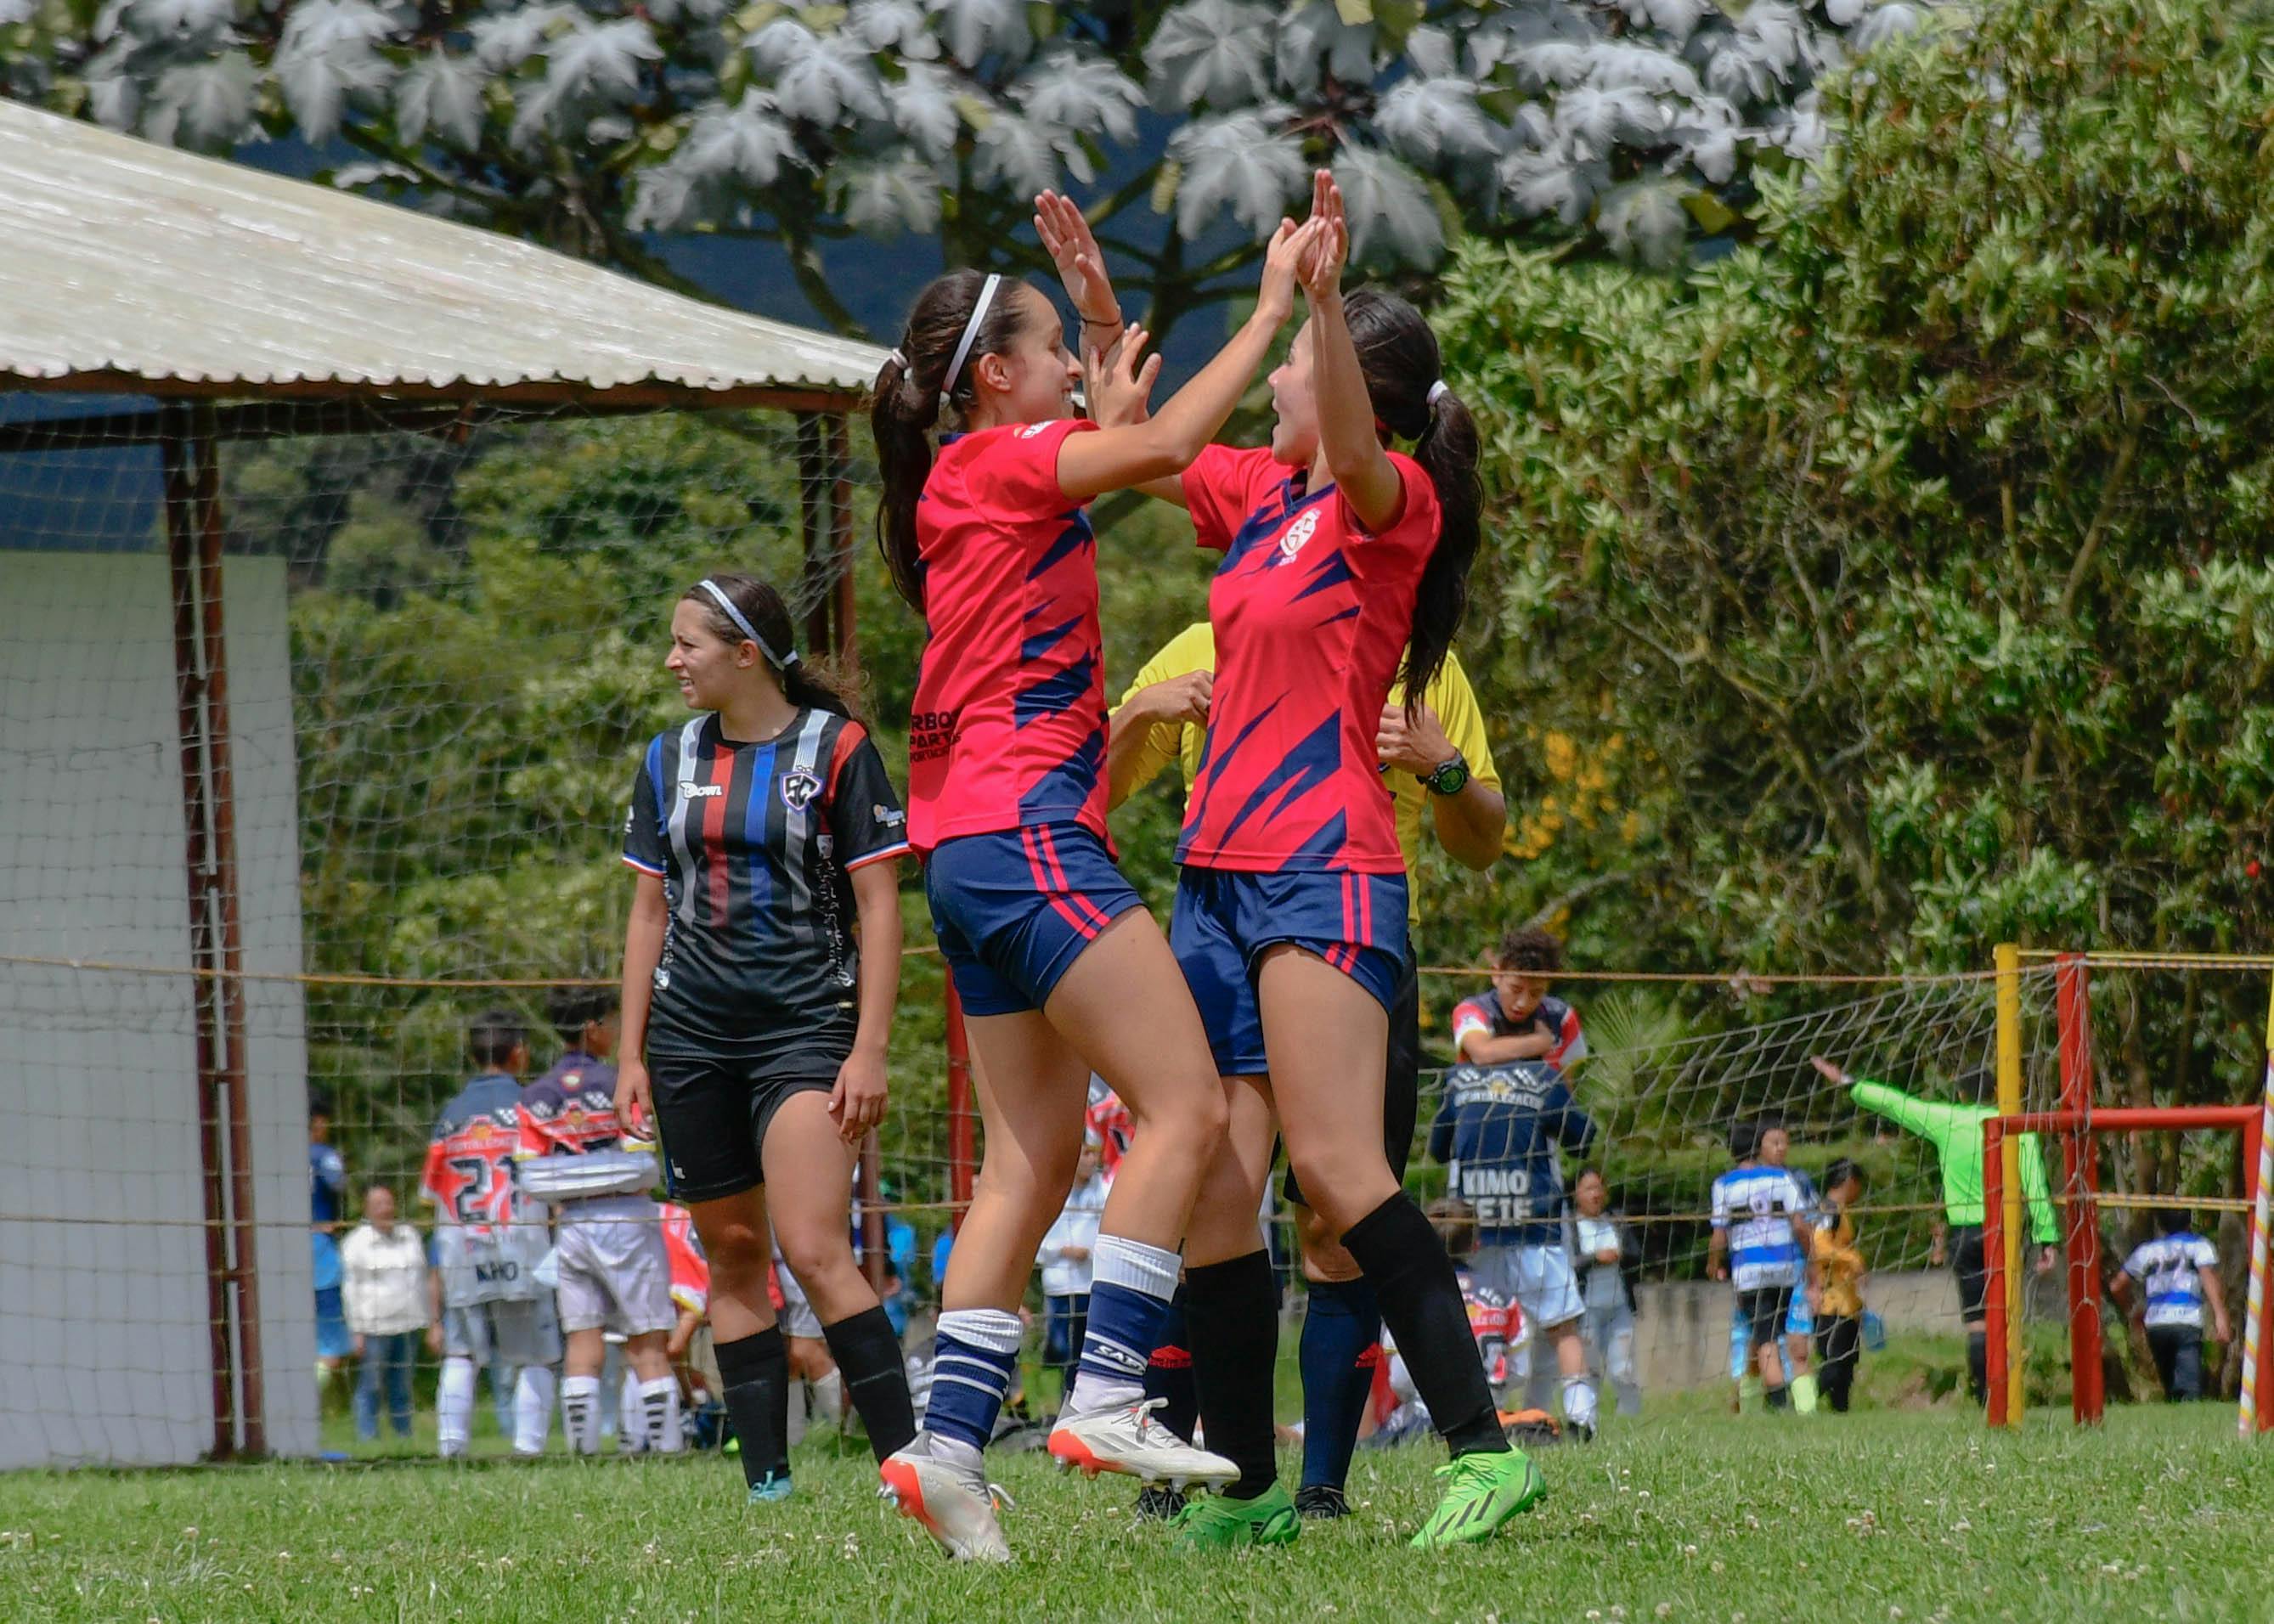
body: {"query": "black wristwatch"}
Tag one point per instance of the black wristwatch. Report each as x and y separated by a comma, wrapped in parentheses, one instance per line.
(1450, 779)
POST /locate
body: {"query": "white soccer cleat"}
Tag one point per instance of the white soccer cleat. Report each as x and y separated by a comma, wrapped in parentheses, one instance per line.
(1126, 1440)
(955, 1505)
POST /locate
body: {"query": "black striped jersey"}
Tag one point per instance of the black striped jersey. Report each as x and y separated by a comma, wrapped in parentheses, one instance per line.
(755, 844)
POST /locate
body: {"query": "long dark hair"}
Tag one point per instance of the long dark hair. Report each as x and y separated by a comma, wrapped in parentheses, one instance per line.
(910, 392)
(1397, 355)
(808, 683)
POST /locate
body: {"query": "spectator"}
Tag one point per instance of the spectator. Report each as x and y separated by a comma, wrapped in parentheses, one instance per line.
(1840, 1304)
(383, 1265)
(1517, 1018)
(1759, 1240)
(942, 1245)
(327, 1180)
(1498, 1132)
(1065, 1260)
(1800, 1315)
(1609, 1296)
(1955, 1132)
(2177, 1274)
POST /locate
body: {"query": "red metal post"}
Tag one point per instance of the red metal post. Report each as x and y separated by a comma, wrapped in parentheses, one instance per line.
(959, 1156)
(205, 462)
(2254, 1147)
(205, 991)
(1993, 1254)
(2075, 1012)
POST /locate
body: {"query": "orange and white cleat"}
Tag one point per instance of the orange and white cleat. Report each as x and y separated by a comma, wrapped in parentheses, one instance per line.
(955, 1504)
(1127, 1440)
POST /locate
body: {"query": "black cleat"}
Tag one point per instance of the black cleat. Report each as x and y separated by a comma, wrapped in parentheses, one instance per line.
(1322, 1500)
(1157, 1502)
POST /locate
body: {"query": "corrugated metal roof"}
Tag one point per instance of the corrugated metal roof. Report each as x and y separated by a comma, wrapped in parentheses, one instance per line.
(126, 262)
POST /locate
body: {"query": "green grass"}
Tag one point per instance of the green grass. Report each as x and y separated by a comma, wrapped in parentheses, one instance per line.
(2159, 1516)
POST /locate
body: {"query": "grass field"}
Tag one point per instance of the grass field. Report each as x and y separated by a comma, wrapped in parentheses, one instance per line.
(1884, 1516)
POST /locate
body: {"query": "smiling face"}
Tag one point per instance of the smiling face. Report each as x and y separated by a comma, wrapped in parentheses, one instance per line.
(1034, 380)
(709, 669)
(1295, 434)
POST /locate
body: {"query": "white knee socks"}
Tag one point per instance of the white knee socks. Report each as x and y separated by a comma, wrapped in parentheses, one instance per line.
(454, 1407)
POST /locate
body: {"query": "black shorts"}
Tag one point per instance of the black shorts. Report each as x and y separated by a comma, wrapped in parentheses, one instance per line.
(1765, 1310)
(1972, 1271)
(1401, 1090)
(712, 1110)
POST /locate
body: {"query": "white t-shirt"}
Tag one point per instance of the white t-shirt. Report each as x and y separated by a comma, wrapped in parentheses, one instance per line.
(383, 1281)
(1076, 1226)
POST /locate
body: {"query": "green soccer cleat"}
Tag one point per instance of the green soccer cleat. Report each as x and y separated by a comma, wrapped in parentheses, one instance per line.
(1487, 1492)
(1219, 1524)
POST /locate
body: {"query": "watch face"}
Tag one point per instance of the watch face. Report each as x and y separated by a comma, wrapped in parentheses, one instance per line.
(1449, 780)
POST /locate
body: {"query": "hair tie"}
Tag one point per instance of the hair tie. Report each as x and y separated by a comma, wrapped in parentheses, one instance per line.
(970, 332)
(1438, 390)
(780, 661)
(894, 355)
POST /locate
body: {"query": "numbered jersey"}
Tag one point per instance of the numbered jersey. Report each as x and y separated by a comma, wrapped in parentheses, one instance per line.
(1754, 1206)
(484, 1255)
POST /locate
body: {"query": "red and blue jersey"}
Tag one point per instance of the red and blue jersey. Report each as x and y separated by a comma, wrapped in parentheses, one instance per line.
(1009, 723)
(1312, 613)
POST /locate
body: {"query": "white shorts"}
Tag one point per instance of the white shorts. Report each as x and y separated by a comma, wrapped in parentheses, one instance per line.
(510, 1332)
(797, 1317)
(1539, 1279)
(614, 1275)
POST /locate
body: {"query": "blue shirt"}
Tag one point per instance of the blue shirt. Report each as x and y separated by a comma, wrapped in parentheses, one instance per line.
(2170, 1267)
(327, 1181)
(1498, 1132)
(1755, 1206)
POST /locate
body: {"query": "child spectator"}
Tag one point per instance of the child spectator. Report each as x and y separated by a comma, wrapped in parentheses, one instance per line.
(2178, 1273)
(1840, 1307)
(383, 1274)
(1609, 1296)
(1065, 1256)
(1761, 1236)
(1518, 1019)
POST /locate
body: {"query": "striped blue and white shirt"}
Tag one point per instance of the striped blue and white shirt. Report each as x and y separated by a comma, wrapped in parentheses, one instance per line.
(2167, 1268)
(1755, 1205)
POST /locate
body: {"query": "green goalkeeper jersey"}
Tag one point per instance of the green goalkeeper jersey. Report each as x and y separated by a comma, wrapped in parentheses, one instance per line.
(1955, 1132)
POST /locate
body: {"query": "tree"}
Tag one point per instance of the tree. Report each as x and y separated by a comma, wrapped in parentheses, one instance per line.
(1916, 555)
(1638, 122)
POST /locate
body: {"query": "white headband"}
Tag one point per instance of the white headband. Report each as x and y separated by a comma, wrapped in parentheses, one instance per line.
(970, 333)
(778, 661)
(1438, 391)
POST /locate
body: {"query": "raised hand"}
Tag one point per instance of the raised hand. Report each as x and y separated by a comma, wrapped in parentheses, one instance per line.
(1282, 263)
(1321, 272)
(1072, 247)
(1118, 383)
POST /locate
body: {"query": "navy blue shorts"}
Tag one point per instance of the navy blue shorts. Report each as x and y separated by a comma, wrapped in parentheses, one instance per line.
(1225, 919)
(1015, 908)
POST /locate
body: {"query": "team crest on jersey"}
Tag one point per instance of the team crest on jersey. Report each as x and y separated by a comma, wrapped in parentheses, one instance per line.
(889, 816)
(1300, 531)
(798, 789)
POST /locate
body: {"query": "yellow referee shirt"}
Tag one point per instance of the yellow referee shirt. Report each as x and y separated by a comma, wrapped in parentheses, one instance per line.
(1450, 696)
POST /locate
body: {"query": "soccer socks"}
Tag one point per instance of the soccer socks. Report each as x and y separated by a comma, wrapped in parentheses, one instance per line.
(1130, 1288)
(659, 1414)
(454, 1407)
(1579, 1400)
(631, 1420)
(1977, 1366)
(580, 1413)
(978, 1355)
(1804, 1393)
(532, 1408)
(1169, 1372)
(875, 1378)
(1342, 1327)
(1420, 1299)
(1234, 1325)
(754, 1380)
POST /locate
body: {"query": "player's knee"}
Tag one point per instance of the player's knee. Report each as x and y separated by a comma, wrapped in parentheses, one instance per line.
(1325, 1260)
(1345, 1182)
(818, 1260)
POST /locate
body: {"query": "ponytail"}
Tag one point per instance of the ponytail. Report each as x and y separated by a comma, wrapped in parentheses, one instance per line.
(1398, 356)
(739, 608)
(957, 318)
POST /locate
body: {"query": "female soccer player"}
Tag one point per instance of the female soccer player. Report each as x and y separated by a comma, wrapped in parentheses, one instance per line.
(1289, 923)
(755, 1010)
(1061, 971)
